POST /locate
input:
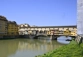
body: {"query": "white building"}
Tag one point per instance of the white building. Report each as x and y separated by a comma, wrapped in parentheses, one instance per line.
(79, 17)
(23, 31)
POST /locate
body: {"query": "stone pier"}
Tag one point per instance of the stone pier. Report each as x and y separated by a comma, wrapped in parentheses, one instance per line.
(79, 39)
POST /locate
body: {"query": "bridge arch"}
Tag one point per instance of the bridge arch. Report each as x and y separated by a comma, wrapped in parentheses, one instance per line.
(45, 31)
(41, 31)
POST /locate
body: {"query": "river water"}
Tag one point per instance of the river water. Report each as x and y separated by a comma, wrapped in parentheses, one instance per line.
(29, 47)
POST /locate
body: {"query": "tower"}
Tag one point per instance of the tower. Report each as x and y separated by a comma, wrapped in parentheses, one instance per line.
(80, 17)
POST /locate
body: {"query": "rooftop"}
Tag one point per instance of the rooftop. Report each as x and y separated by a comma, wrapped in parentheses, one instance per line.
(3, 18)
(54, 26)
(12, 22)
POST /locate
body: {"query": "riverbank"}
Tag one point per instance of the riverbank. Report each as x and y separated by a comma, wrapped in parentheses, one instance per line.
(13, 37)
(70, 50)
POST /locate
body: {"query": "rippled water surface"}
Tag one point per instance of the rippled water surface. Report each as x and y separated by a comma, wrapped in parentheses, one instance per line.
(29, 47)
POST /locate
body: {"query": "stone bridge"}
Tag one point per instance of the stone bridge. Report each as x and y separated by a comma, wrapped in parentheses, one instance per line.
(51, 36)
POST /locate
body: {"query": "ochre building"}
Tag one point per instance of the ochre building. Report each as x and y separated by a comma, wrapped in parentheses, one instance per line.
(3, 26)
(12, 28)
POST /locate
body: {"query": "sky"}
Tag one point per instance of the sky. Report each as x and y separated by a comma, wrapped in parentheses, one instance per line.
(40, 12)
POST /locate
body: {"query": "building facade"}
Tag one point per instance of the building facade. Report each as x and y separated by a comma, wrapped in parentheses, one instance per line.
(58, 30)
(22, 30)
(80, 17)
(12, 28)
(3, 26)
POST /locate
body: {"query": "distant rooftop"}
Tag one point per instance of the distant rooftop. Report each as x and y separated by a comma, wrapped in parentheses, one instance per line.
(53, 26)
(12, 22)
(3, 18)
(60, 26)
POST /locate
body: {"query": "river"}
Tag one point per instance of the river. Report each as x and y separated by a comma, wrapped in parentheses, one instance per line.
(29, 47)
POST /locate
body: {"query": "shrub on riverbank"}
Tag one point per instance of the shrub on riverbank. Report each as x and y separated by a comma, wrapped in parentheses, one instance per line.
(71, 50)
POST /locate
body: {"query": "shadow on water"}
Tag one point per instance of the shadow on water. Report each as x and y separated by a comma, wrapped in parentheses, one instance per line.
(63, 39)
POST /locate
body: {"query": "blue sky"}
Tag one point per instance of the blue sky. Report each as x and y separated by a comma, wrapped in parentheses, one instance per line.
(40, 12)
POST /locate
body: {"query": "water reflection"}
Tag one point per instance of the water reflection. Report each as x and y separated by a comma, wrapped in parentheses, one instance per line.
(63, 39)
(26, 47)
(38, 45)
(8, 47)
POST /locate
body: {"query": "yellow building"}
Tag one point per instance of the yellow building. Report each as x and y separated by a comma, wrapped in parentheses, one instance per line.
(57, 32)
(48, 32)
(74, 33)
(12, 28)
(3, 26)
(67, 32)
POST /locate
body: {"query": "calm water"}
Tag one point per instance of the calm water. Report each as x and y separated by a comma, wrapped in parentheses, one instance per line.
(28, 47)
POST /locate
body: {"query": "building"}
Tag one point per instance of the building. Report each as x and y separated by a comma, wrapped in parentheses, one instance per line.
(80, 17)
(58, 30)
(67, 32)
(22, 30)
(12, 28)
(3, 26)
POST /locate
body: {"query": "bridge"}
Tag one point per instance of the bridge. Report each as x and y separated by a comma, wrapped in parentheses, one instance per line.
(44, 34)
(50, 36)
